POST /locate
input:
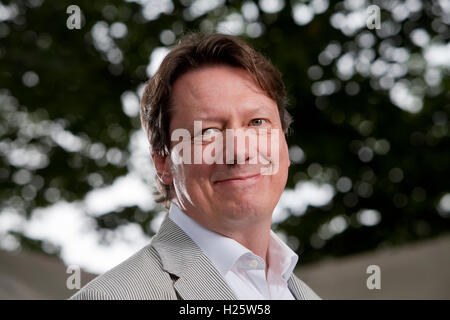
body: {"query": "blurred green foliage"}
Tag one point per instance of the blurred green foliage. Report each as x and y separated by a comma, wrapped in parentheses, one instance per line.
(350, 90)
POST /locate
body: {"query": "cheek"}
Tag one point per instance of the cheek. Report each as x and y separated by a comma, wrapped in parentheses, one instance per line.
(273, 144)
(197, 174)
(279, 155)
(284, 153)
(178, 175)
(284, 162)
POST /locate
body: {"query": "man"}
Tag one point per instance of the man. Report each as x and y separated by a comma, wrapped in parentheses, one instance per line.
(217, 95)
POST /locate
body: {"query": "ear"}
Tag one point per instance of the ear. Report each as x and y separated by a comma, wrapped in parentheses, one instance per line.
(162, 167)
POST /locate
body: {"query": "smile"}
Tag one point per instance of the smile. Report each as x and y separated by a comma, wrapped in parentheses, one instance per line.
(239, 179)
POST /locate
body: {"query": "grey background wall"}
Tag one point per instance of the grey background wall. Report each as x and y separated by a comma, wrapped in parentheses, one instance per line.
(415, 271)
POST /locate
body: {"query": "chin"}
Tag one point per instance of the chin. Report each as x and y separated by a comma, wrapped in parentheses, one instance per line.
(246, 207)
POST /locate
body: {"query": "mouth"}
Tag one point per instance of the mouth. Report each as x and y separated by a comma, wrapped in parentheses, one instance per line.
(239, 179)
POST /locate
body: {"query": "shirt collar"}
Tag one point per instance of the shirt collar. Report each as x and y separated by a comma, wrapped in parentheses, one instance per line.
(224, 252)
(281, 258)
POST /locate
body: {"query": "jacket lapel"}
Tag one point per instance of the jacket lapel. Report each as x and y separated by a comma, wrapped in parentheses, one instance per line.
(300, 290)
(294, 286)
(198, 278)
(202, 281)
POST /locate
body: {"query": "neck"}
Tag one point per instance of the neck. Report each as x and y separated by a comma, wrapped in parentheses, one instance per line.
(252, 233)
(256, 241)
(254, 236)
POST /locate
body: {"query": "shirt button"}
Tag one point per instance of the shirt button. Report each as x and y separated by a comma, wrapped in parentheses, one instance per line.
(253, 263)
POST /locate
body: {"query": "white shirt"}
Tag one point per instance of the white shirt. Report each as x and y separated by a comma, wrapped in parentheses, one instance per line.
(242, 270)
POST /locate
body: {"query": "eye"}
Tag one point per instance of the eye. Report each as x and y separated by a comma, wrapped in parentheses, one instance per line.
(209, 135)
(257, 122)
(210, 131)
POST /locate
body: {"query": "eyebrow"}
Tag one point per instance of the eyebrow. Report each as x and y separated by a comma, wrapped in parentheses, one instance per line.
(266, 108)
(206, 116)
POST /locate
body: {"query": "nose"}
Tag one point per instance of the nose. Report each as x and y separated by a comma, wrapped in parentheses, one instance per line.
(240, 146)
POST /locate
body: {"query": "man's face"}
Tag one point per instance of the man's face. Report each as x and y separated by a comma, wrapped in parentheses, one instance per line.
(221, 196)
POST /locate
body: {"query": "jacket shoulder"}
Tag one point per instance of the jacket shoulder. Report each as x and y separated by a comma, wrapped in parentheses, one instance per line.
(304, 291)
(140, 277)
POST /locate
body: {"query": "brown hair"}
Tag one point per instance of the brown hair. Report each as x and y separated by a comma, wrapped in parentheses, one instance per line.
(195, 50)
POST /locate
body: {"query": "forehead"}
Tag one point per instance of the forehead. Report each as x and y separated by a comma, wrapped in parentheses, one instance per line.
(217, 89)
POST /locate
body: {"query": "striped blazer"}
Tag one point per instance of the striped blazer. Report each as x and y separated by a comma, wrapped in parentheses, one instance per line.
(171, 267)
